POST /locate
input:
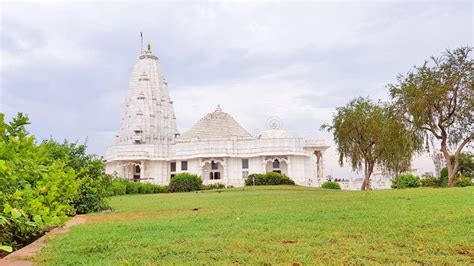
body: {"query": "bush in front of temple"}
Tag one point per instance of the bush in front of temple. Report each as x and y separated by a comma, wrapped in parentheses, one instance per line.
(124, 186)
(185, 182)
(331, 185)
(268, 179)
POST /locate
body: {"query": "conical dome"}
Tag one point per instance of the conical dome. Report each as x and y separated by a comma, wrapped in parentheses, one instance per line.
(216, 125)
(148, 115)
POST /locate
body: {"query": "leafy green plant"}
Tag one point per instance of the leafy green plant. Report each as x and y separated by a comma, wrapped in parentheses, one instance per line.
(407, 181)
(118, 188)
(268, 179)
(184, 182)
(331, 185)
(37, 189)
(89, 172)
(430, 181)
(463, 181)
(124, 186)
(213, 186)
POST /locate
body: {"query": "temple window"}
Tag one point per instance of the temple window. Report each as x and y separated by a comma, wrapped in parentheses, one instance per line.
(276, 166)
(214, 175)
(214, 166)
(136, 173)
(184, 165)
(173, 166)
(245, 163)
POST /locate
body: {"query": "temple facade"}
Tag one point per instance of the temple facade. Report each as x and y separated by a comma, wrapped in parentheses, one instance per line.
(149, 147)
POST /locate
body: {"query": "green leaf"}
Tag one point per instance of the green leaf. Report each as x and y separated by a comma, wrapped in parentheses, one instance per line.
(15, 213)
(6, 248)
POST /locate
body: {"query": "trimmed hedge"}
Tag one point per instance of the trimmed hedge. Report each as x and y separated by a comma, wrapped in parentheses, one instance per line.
(268, 179)
(124, 186)
(185, 182)
(213, 186)
(331, 185)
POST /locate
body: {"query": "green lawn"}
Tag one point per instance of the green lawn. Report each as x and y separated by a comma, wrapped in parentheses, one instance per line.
(275, 225)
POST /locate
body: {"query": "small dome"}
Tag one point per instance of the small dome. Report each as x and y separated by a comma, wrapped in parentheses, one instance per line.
(275, 134)
(216, 125)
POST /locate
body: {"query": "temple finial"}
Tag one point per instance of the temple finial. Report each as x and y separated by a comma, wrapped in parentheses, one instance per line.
(149, 47)
(141, 42)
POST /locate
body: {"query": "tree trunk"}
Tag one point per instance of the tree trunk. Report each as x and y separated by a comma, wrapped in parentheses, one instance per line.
(451, 170)
(368, 168)
(397, 174)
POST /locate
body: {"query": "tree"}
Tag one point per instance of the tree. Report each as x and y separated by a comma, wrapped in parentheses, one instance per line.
(437, 98)
(466, 164)
(402, 143)
(358, 130)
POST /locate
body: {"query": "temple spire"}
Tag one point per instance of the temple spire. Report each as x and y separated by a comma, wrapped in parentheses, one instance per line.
(141, 42)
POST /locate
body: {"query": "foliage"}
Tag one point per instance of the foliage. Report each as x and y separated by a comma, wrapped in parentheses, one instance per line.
(185, 182)
(37, 189)
(463, 181)
(118, 188)
(94, 183)
(362, 132)
(331, 185)
(466, 164)
(406, 181)
(267, 179)
(124, 186)
(275, 225)
(213, 186)
(442, 181)
(402, 142)
(437, 98)
(431, 181)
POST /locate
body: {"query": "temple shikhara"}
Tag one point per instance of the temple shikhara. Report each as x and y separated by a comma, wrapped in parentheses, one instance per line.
(149, 147)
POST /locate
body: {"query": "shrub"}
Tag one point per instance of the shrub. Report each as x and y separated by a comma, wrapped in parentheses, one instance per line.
(160, 189)
(90, 174)
(268, 179)
(406, 181)
(185, 182)
(124, 186)
(118, 188)
(36, 189)
(331, 185)
(463, 181)
(213, 186)
(430, 181)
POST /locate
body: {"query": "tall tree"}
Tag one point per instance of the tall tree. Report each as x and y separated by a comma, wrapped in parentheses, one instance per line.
(438, 98)
(402, 142)
(359, 137)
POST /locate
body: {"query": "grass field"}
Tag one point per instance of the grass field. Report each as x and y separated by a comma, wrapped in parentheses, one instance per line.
(275, 225)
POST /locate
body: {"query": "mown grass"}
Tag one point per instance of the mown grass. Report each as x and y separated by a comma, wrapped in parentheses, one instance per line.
(275, 225)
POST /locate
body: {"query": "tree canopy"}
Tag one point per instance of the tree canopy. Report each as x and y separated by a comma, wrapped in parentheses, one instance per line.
(438, 99)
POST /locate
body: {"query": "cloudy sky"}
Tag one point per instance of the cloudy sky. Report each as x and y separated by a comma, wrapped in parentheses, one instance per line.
(67, 65)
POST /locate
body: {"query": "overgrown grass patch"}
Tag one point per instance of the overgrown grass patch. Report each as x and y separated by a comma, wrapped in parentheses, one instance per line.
(277, 225)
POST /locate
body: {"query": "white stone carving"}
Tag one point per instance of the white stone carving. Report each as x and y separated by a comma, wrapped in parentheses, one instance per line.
(148, 138)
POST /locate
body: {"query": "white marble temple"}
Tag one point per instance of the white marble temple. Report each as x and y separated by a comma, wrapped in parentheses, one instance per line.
(150, 149)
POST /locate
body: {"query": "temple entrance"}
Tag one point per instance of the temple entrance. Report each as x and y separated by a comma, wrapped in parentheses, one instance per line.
(277, 165)
(136, 173)
(213, 172)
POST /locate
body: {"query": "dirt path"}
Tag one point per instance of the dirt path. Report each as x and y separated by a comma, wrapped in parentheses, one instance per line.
(22, 256)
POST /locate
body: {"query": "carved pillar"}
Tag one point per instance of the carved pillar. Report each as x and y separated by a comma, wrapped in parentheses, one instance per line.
(142, 170)
(319, 164)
